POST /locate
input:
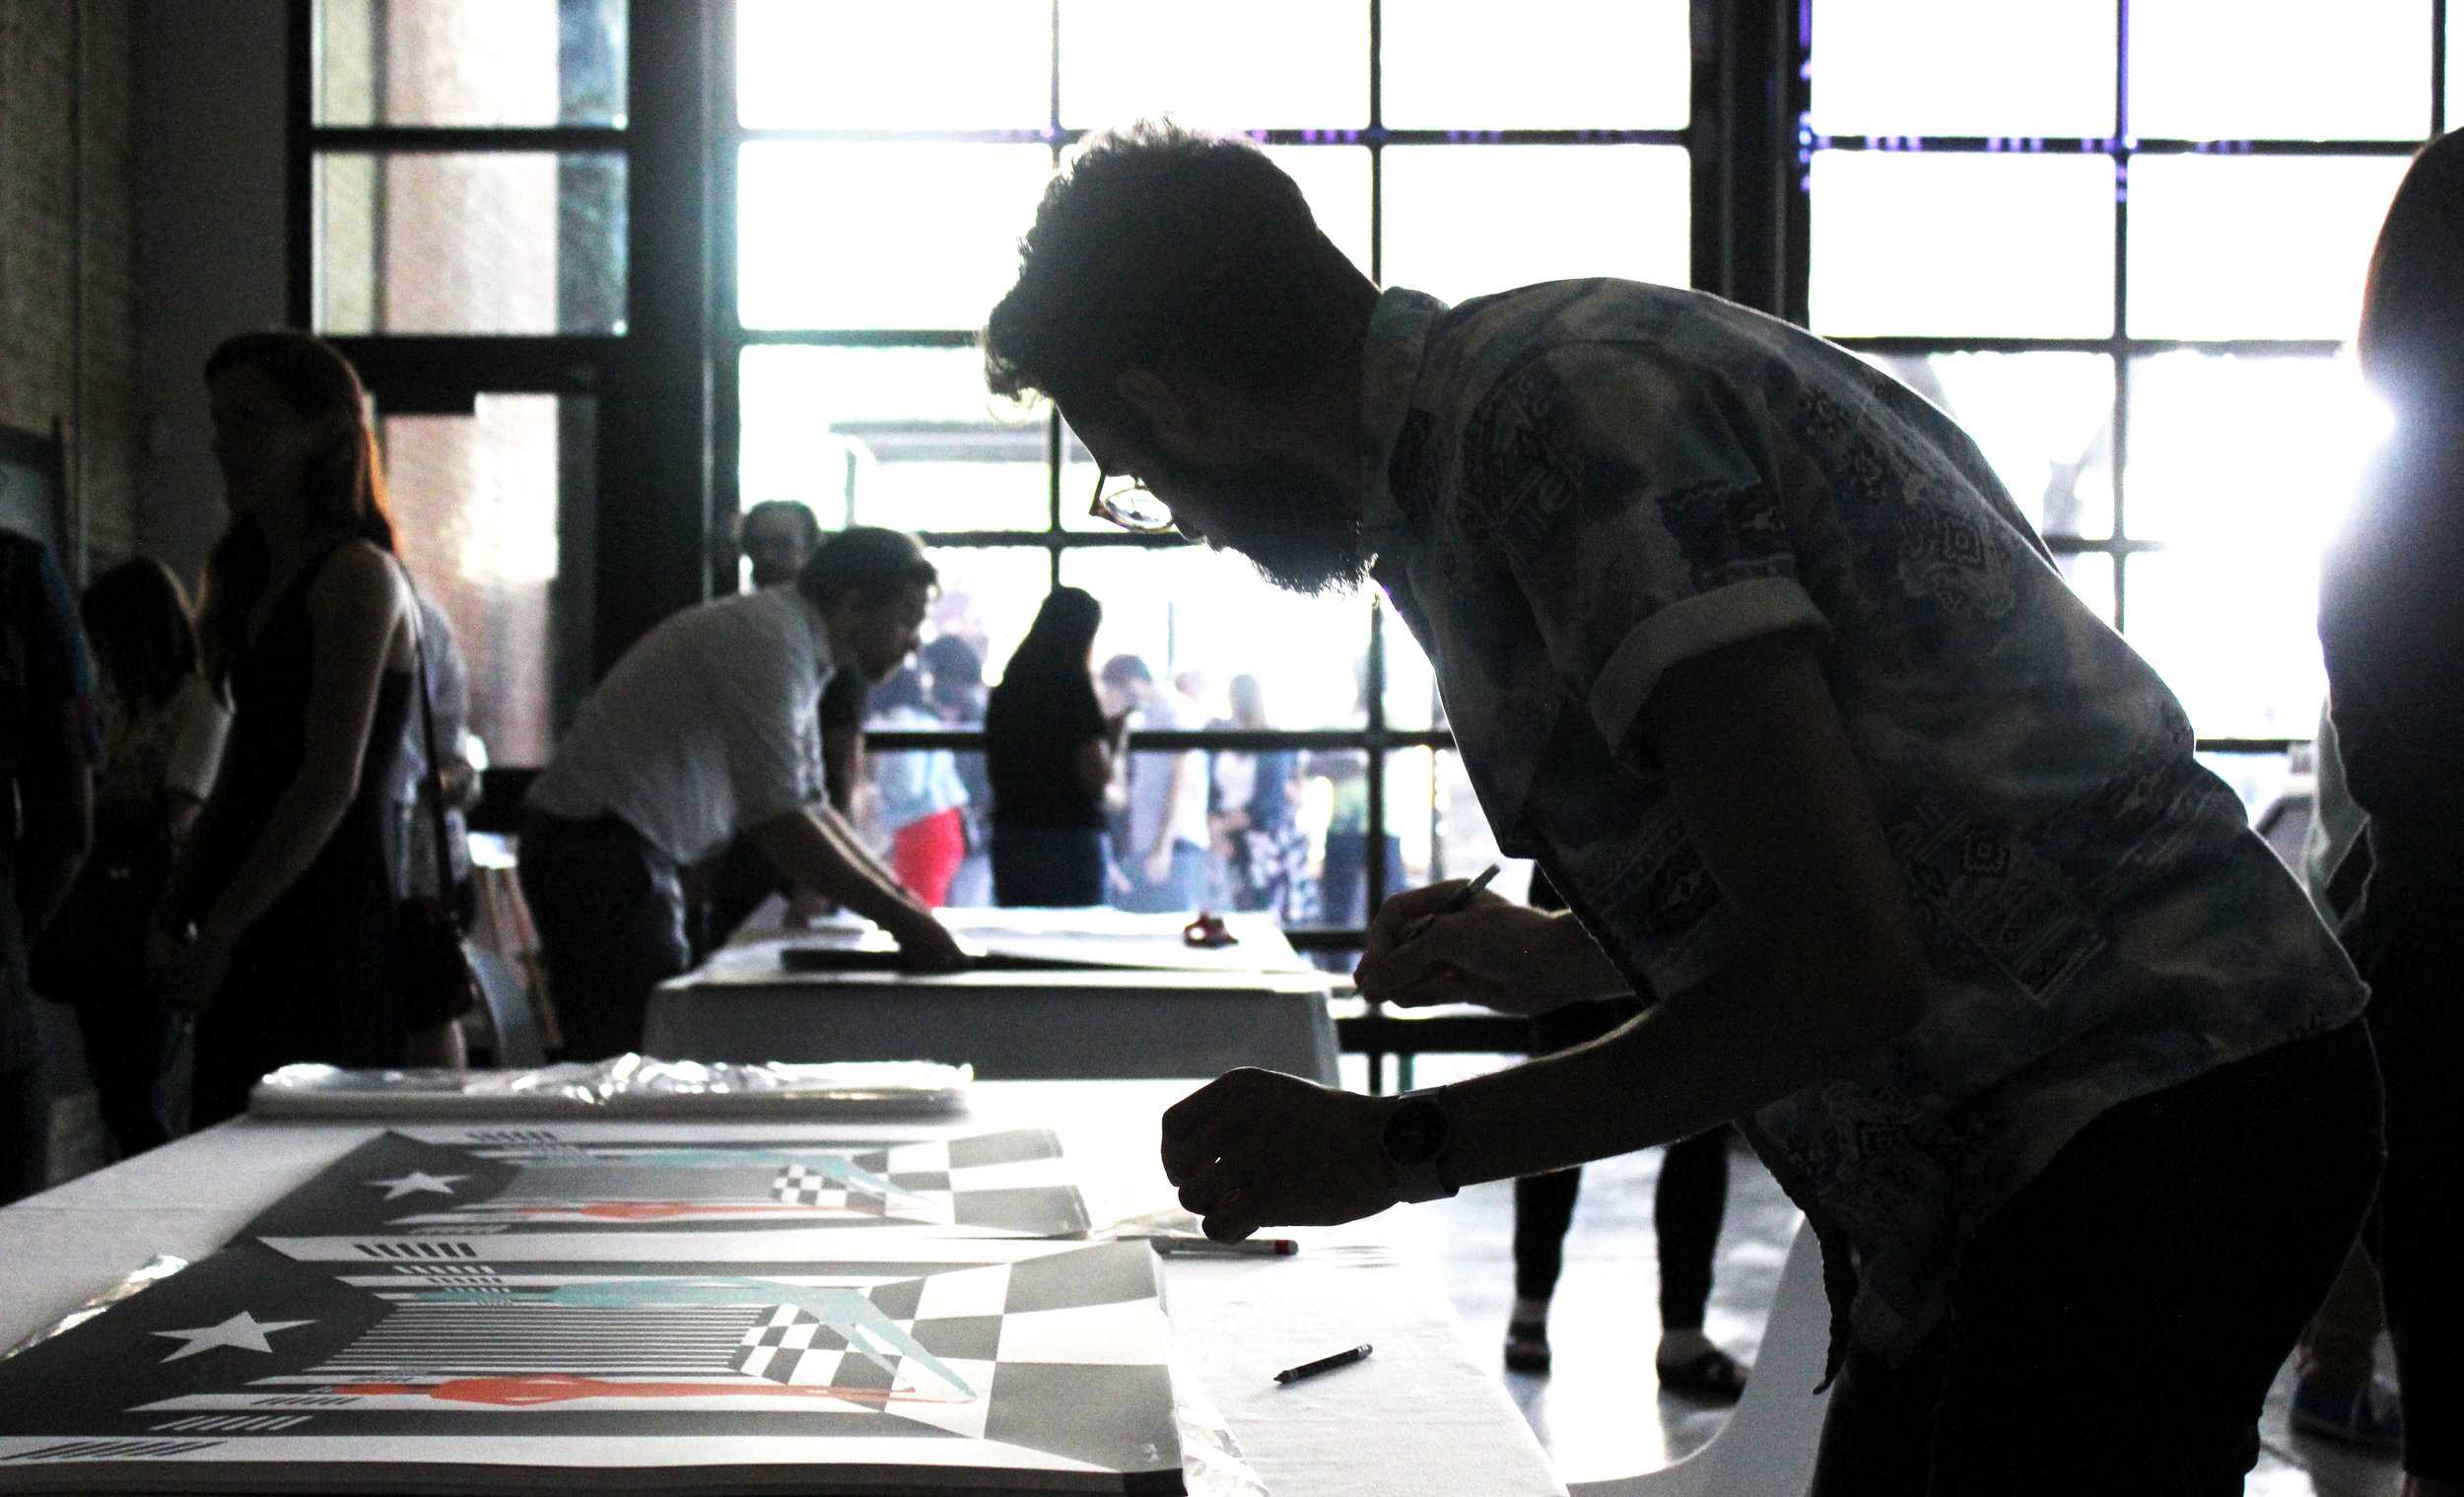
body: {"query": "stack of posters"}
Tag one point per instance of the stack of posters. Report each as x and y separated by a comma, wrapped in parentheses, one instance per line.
(613, 1306)
(622, 1086)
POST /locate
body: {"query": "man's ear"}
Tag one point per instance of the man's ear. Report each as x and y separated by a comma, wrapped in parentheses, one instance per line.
(1158, 399)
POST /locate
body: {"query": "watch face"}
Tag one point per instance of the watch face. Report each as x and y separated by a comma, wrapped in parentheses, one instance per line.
(1416, 1132)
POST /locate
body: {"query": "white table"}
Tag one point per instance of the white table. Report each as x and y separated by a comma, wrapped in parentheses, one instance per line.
(1420, 1417)
(1091, 1024)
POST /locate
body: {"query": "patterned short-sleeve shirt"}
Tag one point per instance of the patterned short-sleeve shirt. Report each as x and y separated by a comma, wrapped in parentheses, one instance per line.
(1574, 486)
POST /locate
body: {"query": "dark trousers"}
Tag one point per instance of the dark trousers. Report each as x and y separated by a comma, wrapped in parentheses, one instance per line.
(128, 1051)
(2416, 1233)
(610, 916)
(1687, 1209)
(2116, 1326)
(1055, 867)
(1687, 1205)
(25, 1101)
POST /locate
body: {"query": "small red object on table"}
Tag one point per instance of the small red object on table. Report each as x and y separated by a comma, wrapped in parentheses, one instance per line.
(1208, 931)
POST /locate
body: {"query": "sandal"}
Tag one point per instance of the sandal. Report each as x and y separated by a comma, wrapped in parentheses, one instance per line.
(1527, 1346)
(1713, 1375)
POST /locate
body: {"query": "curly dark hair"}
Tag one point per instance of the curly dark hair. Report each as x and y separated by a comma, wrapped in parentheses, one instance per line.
(1163, 247)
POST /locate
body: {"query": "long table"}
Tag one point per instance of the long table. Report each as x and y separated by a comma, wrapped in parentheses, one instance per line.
(1257, 1004)
(1419, 1418)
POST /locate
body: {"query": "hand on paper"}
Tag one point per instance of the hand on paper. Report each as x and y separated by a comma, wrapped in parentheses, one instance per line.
(924, 944)
(1495, 953)
(1257, 1148)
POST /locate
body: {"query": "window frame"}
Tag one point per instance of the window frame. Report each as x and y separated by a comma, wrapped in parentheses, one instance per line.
(669, 385)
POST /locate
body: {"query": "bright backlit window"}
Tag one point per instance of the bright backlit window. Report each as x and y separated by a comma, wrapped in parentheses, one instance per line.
(2130, 273)
(887, 157)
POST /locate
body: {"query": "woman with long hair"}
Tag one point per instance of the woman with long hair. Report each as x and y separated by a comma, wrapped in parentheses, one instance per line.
(278, 931)
(1050, 752)
(163, 729)
(2393, 632)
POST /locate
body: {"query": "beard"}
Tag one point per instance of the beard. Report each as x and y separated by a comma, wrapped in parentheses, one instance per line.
(1301, 535)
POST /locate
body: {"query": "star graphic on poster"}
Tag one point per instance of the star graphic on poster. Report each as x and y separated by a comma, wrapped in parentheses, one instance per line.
(242, 1330)
(417, 1180)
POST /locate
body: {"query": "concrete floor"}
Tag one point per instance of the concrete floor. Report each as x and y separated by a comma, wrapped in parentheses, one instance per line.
(1604, 1323)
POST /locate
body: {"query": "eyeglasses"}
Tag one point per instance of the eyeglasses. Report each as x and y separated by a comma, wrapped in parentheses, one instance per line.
(1129, 503)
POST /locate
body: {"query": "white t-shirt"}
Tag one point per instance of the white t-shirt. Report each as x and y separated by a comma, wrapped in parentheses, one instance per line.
(1150, 779)
(708, 726)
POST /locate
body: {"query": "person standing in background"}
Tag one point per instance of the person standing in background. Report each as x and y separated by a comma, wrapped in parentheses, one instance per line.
(2337, 1389)
(412, 845)
(47, 751)
(163, 730)
(1163, 852)
(2393, 635)
(1256, 818)
(280, 926)
(923, 803)
(1050, 754)
(954, 685)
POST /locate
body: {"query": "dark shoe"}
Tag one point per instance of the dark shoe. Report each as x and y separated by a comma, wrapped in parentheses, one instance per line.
(1713, 1375)
(2366, 1415)
(1527, 1346)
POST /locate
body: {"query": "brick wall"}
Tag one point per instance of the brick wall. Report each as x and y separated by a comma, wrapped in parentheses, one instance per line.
(58, 358)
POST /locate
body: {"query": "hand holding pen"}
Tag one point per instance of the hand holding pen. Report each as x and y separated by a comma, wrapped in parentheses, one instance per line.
(1460, 944)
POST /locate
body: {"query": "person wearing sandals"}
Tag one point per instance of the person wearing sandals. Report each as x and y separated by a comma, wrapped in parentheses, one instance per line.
(279, 926)
(1687, 1203)
(1750, 648)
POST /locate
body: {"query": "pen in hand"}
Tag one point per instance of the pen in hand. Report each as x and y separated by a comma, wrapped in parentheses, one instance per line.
(1456, 904)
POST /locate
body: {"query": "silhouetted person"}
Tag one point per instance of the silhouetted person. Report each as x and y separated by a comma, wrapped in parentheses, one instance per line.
(280, 929)
(163, 730)
(1050, 752)
(2394, 639)
(706, 730)
(47, 749)
(1750, 648)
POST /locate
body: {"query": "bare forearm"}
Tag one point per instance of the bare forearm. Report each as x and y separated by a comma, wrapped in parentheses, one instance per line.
(823, 858)
(842, 832)
(199, 852)
(1733, 1043)
(303, 820)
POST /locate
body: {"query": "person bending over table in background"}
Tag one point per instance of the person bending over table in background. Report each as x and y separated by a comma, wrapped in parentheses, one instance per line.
(703, 731)
(778, 536)
(1747, 643)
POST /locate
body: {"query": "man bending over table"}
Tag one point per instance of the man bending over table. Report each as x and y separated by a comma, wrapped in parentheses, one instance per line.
(1750, 646)
(703, 731)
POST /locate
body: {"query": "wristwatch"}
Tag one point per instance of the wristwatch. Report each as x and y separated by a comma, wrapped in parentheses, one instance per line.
(1417, 1131)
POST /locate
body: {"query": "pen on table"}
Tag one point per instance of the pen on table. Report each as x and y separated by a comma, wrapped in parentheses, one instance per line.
(1207, 1247)
(1456, 904)
(1290, 1375)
